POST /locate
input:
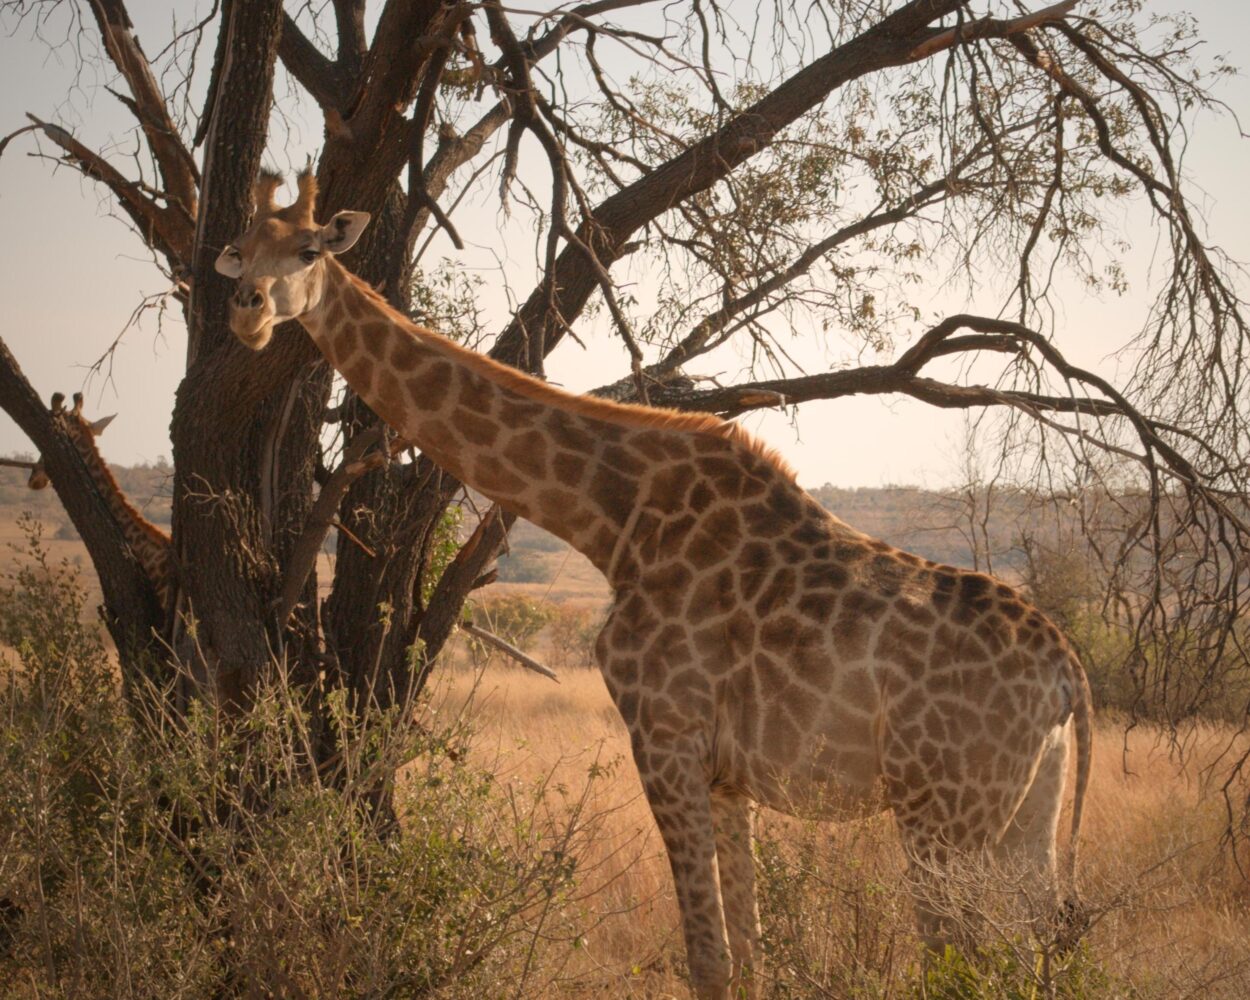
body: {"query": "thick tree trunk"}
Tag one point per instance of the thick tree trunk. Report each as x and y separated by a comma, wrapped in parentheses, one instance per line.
(221, 437)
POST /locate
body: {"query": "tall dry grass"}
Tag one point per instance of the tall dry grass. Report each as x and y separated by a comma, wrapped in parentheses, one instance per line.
(529, 866)
(1172, 911)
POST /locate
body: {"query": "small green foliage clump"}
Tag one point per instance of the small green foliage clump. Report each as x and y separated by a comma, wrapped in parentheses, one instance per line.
(443, 548)
(513, 617)
(1011, 972)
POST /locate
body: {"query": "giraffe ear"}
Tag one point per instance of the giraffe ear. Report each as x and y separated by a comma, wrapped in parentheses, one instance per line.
(230, 263)
(97, 426)
(341, 233)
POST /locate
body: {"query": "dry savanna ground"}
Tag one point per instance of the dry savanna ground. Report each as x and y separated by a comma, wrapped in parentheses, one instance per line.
(1174, 912)
(1173, 909)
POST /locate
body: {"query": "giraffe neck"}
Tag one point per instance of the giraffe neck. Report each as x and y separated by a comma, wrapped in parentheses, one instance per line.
(149, 544)
(592, 472)
(522, 443)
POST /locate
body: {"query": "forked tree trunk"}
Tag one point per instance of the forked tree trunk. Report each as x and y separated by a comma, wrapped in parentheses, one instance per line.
(246, 433)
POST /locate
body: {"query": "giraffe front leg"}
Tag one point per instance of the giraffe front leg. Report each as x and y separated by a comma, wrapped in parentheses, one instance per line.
(680, 800)
(734, 817)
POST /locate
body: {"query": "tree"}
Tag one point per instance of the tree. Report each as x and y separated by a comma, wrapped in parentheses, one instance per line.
(760, 167)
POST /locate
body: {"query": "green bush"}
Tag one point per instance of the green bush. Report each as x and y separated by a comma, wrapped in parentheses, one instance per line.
(1007, 972)
(523, 566)
(149, 854)
(513, 617)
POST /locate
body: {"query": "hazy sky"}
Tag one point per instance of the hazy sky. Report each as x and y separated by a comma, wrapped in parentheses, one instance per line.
(71, 276)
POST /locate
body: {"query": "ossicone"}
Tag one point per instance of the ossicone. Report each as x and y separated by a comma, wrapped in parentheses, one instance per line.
(263, 191)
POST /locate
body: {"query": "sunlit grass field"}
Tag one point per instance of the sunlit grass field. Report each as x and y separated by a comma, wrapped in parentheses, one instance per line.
(1174, 912)
(1171, 897)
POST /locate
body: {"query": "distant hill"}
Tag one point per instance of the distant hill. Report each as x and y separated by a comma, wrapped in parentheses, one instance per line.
(933, 524)
(936, 524)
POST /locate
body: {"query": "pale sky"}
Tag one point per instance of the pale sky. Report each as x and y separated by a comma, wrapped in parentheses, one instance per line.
(71, 276)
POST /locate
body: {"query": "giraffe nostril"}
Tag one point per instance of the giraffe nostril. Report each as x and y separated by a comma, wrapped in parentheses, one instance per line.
(244, 299)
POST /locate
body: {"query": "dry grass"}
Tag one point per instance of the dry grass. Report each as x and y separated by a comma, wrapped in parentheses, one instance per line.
(531, 729)
(1177, 910)
(1177, 913)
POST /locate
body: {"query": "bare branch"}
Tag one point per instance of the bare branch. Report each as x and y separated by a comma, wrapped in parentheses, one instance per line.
(991, 27)
(546, 316)
(324, 79)
(527, 661)
(350, 19)
(356, 462)
(179, 176)
(166, 228)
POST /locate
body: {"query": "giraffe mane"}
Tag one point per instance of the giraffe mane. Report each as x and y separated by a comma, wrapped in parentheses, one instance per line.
(609, 411)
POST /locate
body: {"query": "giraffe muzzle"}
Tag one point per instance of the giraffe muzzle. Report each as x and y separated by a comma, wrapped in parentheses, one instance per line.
(248, 299)
(252, 327)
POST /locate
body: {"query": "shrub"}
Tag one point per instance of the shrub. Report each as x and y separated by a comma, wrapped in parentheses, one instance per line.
(522, 566)
(513, 617)
(144, 853)
(1005, 972)
(835, 920)
(838, 922)
(573, 632)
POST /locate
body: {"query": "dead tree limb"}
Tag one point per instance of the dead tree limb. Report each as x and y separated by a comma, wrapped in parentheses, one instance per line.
(527, 661)
(179, 176)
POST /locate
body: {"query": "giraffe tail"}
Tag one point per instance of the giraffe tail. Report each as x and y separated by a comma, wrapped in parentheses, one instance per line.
(1075, 920)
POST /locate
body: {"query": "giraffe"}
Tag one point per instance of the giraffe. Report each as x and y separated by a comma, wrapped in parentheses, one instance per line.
(150, 545)
(759, 649)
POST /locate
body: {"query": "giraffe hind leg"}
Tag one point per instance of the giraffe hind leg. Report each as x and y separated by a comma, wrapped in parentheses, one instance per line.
(1004, 875)
(733, 815)
(1025, 853)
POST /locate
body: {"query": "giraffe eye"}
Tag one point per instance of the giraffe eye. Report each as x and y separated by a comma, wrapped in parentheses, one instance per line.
(309, 255)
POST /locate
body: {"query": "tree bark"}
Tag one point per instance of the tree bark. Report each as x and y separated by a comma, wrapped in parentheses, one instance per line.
(221, 531)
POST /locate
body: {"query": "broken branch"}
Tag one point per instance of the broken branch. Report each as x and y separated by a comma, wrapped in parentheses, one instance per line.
(506, 647)
(991, 27)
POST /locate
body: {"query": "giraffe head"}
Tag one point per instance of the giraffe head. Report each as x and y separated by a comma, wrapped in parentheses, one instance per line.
(76, 425)
(280, 261)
